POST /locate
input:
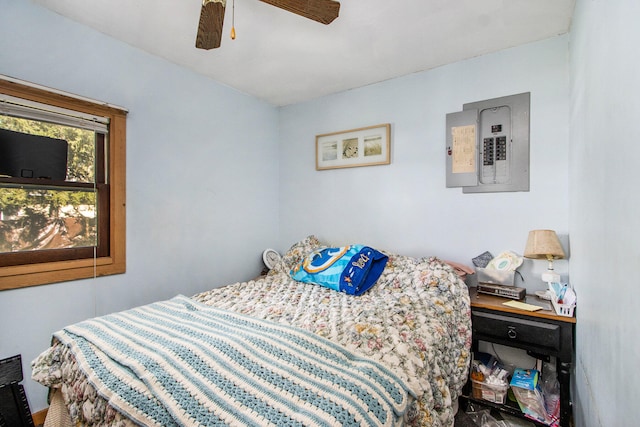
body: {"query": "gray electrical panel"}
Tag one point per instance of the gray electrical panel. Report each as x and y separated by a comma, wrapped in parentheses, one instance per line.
(488, 145)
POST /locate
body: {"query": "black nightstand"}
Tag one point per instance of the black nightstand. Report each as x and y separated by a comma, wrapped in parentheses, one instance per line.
(540, 332)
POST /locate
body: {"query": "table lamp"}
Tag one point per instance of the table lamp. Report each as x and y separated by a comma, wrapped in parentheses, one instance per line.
(544, 244)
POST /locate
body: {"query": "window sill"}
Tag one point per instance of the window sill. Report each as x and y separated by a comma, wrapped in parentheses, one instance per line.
(15, 277)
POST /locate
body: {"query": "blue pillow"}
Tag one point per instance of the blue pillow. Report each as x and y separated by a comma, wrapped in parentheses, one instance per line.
(351, 269)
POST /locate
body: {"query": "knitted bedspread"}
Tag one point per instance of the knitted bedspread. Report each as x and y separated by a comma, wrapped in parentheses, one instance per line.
(415, 320)
(180, 362)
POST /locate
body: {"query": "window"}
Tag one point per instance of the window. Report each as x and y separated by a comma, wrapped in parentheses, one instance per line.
(62, 186)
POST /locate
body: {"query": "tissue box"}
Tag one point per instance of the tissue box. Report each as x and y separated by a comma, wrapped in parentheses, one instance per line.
(525, 385)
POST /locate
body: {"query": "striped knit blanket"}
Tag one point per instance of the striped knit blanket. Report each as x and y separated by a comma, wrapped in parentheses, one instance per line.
(183, 363)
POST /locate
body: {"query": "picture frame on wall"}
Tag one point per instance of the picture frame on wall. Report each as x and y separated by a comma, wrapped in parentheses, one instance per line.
(367, 146)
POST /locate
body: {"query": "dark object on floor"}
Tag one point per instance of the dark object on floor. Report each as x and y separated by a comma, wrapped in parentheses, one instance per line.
(463, 420)
(14, 408)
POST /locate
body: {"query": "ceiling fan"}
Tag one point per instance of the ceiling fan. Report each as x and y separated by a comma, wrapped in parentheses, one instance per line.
(212, 16)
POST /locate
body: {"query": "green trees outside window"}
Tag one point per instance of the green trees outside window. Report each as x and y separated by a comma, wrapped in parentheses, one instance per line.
(40, 217)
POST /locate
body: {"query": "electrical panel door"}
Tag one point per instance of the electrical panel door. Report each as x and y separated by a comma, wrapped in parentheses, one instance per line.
(462, 140)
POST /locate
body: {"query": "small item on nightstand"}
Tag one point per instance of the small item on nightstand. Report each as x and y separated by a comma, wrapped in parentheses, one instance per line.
(504, 291)
(563, 298)
(545, 295)
(506, 261)
(483, 259)
(522, 306)
(500, 270)
(498, 276)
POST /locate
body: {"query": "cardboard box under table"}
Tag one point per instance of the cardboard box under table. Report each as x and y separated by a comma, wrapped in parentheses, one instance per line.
(491, 392)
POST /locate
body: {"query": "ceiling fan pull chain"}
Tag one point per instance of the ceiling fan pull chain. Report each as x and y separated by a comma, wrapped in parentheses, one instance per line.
(233, 20)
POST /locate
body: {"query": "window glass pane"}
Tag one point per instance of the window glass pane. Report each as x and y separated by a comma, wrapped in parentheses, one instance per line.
(81, 142)
(39, 216)
(34, 219)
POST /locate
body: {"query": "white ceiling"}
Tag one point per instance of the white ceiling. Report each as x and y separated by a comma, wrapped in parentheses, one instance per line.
(283, 58)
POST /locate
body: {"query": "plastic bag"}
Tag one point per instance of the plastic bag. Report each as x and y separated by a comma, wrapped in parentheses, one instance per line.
(551, 392)
(483, 418)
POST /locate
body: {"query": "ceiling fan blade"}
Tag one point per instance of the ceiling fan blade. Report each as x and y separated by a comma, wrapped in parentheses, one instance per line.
(323, 11)
(210, 25)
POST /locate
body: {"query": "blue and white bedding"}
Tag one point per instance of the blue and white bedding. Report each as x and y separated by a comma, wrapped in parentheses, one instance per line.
(180, 362)
(414, 321)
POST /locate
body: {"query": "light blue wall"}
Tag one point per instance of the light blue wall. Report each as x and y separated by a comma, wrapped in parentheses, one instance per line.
(202, 174)
(604, 205)
(405, 206)
(206, 185)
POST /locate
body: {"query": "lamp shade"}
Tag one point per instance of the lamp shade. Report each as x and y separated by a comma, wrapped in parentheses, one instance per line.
(543, 244)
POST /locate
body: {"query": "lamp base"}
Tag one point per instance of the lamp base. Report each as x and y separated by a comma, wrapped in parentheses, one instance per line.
(550, 277)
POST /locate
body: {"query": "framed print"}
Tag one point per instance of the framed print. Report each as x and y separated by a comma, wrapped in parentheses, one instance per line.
(366, 146)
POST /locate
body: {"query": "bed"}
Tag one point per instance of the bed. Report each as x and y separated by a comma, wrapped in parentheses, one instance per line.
(411, 331)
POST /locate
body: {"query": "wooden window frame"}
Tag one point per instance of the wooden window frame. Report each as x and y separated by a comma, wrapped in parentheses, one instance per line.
(112, 262)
